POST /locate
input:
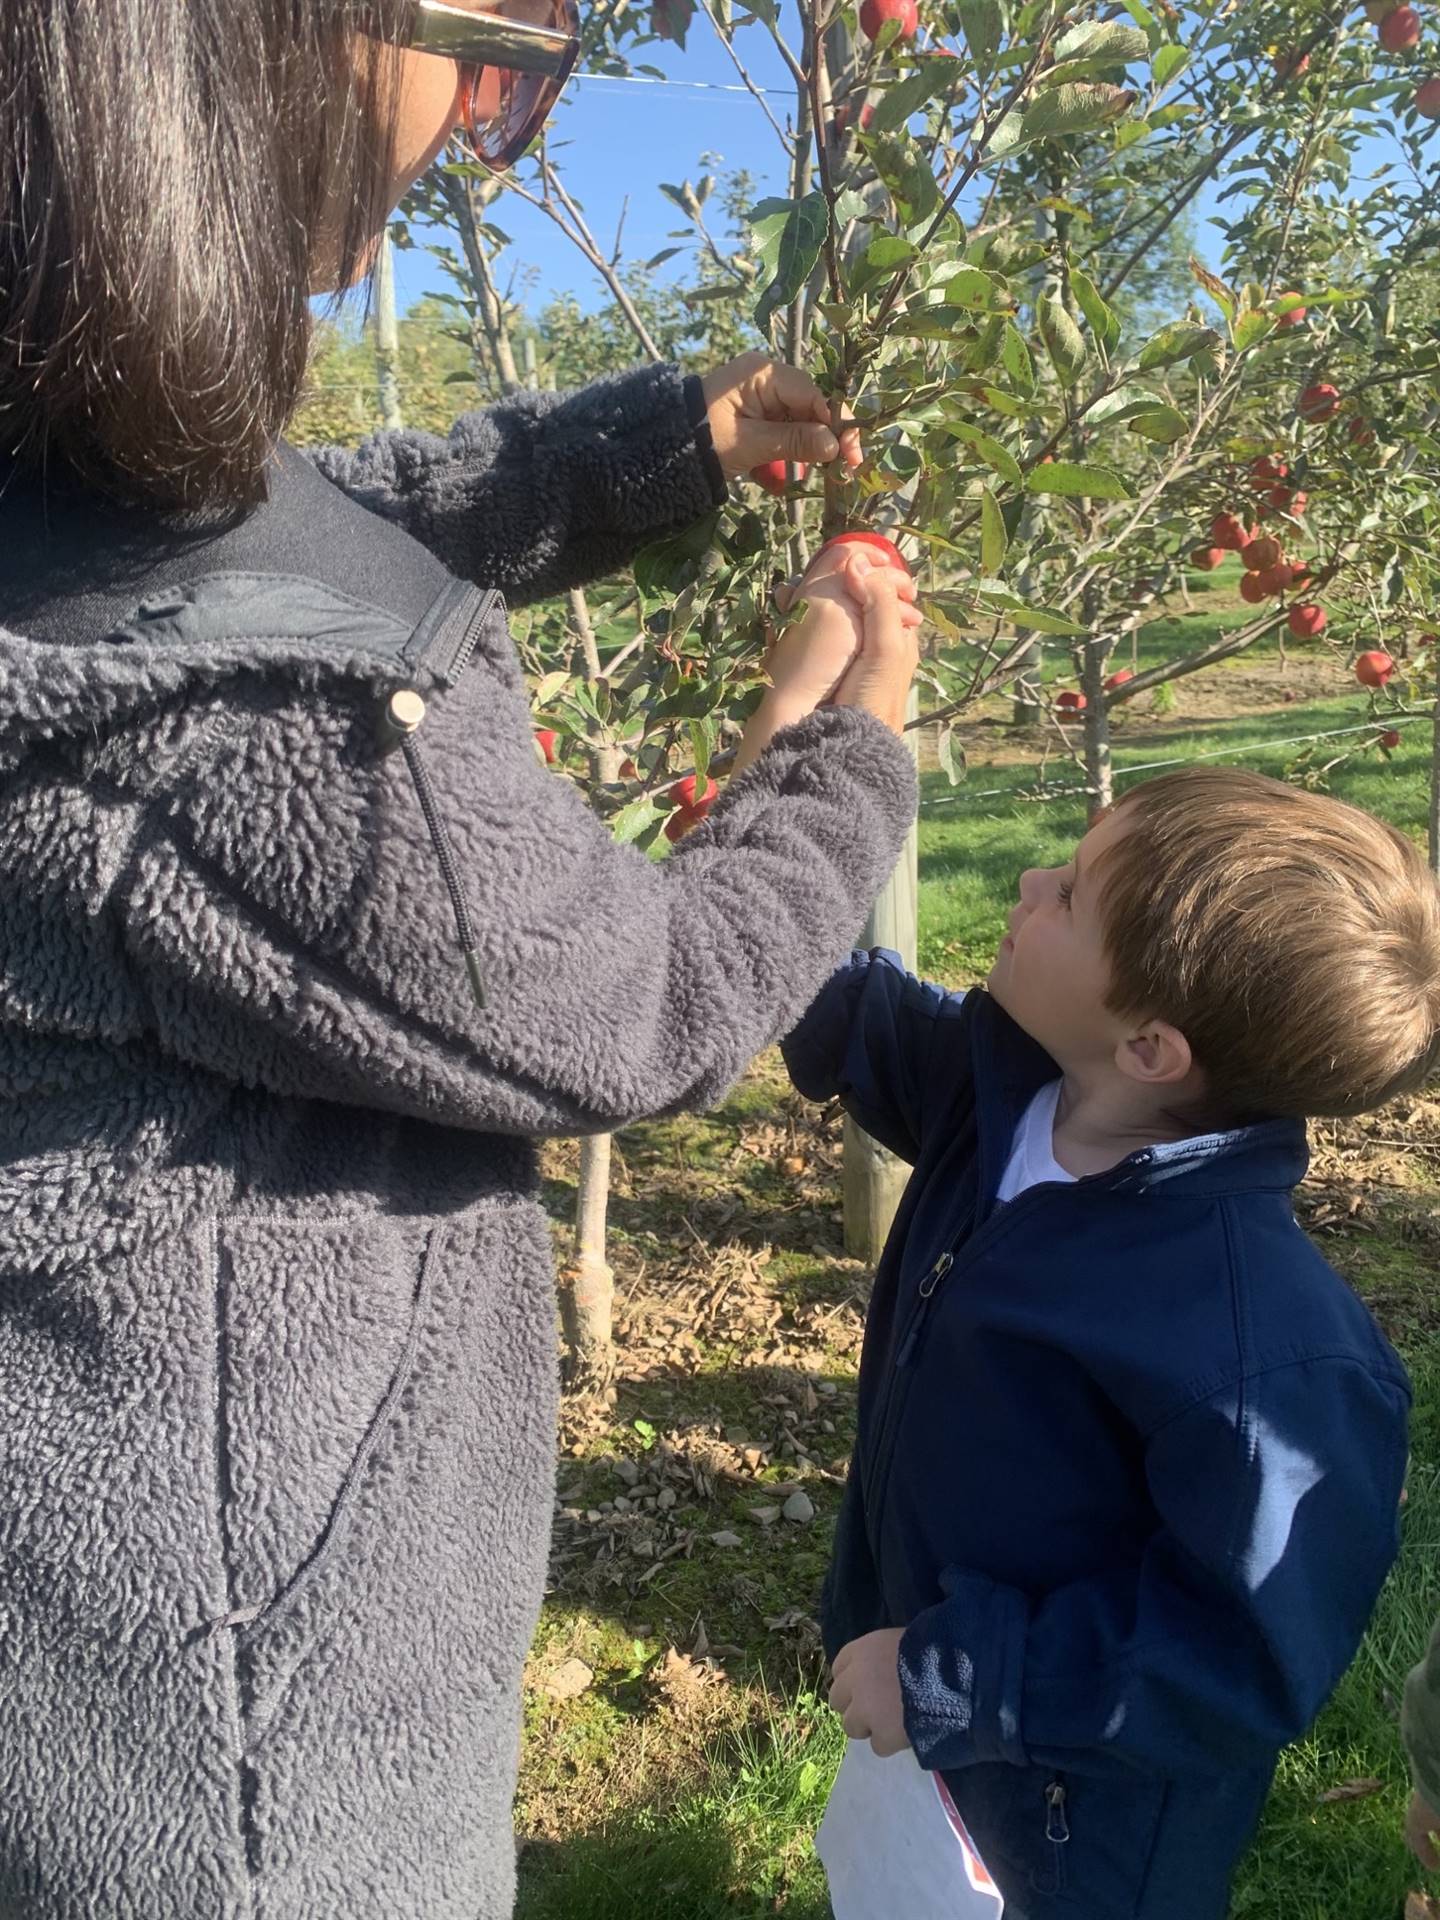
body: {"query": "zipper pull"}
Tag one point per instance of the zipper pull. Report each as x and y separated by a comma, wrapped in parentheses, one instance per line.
(927, 1288)
(1057, 1827)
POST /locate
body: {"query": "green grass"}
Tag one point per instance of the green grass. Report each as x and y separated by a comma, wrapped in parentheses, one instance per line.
(731, 1836)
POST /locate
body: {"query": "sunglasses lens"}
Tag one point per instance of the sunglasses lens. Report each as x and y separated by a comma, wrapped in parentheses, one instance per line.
(505, 109)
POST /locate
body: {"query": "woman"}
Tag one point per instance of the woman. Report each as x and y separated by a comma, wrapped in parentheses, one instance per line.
(299, 947)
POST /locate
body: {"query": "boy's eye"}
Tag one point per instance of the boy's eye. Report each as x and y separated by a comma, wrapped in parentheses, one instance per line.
(1064, 891)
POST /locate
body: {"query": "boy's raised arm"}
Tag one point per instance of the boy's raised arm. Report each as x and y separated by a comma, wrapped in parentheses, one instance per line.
(1279, 1503)
(874, 1039)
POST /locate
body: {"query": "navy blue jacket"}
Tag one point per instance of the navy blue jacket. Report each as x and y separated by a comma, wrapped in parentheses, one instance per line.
(1128, 1465)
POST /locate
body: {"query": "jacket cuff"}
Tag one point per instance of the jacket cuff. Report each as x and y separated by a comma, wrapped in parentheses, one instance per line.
(962, 1666)
(815, 1048)
(699, 416)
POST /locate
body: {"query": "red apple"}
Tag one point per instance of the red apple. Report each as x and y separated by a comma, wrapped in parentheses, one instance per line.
(774, 478)
(1400, 29)
(1119, 679)
(1429, 640)
(842, 119)
(1227, 531)
(1360, 431)
(1070, 702)
(1374, 669)
(1427, 99)
(874, 14)
(1207, 558)
(545, 738)
(1290, 65)
(682, 794)
(1390, 739)
(1301, 577)
(1291, 500)
(1320, 402)
(864, 538)
(1295, 316)
(1306, 620)
(1251, 589)
(629, 770)
(1265, 471)
(1275, 579)
(1256, 555)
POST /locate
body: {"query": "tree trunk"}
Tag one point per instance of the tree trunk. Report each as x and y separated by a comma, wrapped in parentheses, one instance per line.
(587, 1292)
(874, 1178)
(1096, 727)
(387, 336)
(1435, 772)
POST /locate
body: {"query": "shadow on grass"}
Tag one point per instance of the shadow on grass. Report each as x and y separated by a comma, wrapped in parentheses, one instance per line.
(636, 1868)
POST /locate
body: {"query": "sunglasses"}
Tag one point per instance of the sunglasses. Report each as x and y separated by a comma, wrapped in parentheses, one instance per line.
(513, 63)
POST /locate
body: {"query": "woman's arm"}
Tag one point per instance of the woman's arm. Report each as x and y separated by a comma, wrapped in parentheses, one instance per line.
(545, 491)
(288, 913)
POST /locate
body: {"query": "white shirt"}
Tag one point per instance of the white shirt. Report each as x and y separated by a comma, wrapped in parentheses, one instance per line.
(1032, 1152)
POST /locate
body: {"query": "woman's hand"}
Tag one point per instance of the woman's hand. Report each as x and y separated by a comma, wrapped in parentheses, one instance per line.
(761, 410)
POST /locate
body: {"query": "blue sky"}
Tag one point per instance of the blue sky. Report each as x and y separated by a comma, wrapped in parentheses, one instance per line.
(624, 136)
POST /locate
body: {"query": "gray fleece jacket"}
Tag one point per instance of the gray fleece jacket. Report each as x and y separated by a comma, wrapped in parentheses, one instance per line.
(277, 1324)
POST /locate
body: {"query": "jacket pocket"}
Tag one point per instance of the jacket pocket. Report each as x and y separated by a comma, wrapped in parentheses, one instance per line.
(316, 1330)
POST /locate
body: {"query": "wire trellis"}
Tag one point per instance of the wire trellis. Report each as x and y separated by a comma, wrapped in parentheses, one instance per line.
(1034, 795)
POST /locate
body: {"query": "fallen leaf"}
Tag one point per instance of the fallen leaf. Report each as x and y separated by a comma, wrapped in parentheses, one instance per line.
(569, 1681)
(1352, 1790)
(1421, 1906)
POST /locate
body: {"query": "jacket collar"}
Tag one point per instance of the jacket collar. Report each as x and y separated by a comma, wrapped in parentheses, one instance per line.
(1010, 1068)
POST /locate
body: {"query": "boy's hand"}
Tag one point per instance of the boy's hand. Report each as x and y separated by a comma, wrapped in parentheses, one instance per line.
(1422, 1823)
(866, 1694)
(810, 659)
(761, 410)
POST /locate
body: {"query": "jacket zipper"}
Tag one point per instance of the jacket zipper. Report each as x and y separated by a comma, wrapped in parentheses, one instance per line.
(1057, 1823)
(470, 638)
(902, 1369)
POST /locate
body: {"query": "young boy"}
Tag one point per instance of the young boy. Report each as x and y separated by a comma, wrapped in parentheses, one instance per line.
(1130, 1453)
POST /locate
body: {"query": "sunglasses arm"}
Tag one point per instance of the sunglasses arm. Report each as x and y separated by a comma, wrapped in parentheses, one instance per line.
(487, 39)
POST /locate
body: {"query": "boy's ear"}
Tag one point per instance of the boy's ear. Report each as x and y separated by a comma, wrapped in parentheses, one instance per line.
(1158, 1055)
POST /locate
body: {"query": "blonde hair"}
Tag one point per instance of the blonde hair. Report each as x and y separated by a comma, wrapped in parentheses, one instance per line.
(1293, 940)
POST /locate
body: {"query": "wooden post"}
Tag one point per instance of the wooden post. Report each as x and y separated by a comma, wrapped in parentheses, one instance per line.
(874, 1178)
(387, 335)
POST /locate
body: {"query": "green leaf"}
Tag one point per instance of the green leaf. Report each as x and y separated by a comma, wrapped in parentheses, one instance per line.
(906, 172)
(1167, 62)
(951, 756)
(906, 98)
(1074, 109)
(1218, 291)
(1103, 323)
(1141, 15)
(661, 564)
(989, 450)
(1063, 340)
(981, 25)
(1107, 41)
(1076, 479)
(1177, 342)
(1130, 133)
(1163, 424)
(993, 538)
(633, 820)
(547, 687)
(1016, 357)
(1251, 327)
(795, 231)
(983, 292)
(890, 250)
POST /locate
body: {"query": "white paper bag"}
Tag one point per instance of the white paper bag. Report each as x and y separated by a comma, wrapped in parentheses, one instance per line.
(894, 1847)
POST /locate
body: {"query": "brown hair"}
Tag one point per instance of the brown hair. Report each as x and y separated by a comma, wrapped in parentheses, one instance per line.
(1293, 940)
(164, 171)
